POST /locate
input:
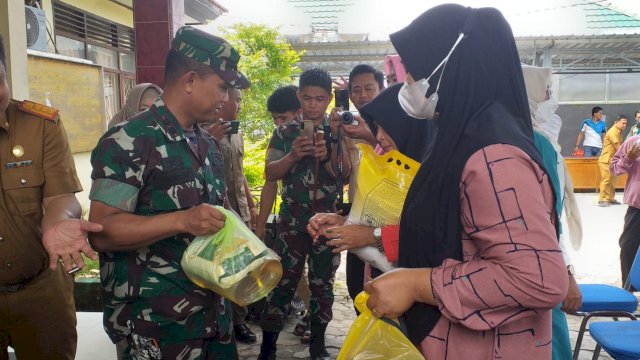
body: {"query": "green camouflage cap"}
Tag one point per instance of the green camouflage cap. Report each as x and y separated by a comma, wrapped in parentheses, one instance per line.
(213, 51)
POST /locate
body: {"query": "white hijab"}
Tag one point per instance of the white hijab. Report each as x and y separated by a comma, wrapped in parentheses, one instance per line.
(543, 108)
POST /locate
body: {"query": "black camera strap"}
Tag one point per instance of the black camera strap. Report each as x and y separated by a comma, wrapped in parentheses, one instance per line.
(340, 166)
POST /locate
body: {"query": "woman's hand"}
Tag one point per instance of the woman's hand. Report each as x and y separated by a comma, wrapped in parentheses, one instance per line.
(350, 237)
(573, 301)
(393, 293)
(634, 152)
(360, 131)
(319, 223)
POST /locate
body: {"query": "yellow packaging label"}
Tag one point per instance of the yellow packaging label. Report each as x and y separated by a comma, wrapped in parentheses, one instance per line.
(383, 182)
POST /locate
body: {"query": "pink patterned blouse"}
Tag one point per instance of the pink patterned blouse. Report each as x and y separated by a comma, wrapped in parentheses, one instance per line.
(496, 303)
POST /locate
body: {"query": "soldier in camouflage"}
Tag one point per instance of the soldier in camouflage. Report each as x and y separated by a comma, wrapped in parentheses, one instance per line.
(155, 180)
(293, 158)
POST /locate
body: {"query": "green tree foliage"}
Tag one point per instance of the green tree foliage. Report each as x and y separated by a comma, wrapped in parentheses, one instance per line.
(254, 154)
(269, 61)
(253, 161)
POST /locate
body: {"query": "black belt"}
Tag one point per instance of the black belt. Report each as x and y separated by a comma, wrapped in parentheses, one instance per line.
(18, 286)
(12, 288)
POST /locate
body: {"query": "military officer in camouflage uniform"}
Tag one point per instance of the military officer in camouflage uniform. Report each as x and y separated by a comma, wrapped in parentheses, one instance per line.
(292, 158)
(155, 181)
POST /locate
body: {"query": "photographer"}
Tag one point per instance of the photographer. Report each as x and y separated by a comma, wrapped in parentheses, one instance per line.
(307, 167)
(365, 83)
(284, 106)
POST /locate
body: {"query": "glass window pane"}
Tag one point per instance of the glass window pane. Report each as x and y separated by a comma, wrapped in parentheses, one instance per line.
(127, 62)
(70, 47)
(111, 94)
(624, 87)
(127, 85)
(103, 56)
(582, 87)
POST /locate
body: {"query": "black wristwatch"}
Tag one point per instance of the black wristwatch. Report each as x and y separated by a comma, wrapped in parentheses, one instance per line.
(571, 270)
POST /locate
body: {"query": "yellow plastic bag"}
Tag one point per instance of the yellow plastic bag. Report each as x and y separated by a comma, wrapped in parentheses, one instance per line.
(232, 262)
(383, 182)
(372, 338)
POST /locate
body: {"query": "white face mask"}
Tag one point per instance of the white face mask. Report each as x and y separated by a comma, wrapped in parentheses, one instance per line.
(412, 97)
(414, 102)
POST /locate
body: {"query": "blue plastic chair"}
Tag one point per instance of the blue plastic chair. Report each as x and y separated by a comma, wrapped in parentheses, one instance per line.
(621, 339)
(599, 300)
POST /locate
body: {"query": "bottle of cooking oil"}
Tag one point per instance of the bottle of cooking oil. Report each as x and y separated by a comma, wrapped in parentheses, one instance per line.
(233, 263)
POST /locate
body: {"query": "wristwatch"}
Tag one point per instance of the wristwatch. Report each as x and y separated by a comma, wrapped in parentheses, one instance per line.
(377, 234)
(571, 270)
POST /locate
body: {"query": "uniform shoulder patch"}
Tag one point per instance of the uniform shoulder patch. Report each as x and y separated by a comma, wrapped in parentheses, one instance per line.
(39, 110)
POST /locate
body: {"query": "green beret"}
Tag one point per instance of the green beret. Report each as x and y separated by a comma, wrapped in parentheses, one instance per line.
(212, 51)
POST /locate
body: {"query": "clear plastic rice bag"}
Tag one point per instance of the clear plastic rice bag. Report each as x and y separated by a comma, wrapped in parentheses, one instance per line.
(233, 262)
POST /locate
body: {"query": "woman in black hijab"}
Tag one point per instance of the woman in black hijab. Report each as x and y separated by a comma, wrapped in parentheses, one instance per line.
(394, 130)
(480, 267)
(410, 135)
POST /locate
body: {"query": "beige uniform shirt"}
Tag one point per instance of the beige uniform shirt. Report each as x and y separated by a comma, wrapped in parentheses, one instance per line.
(35, 162)
(612, 139)
(233, 152)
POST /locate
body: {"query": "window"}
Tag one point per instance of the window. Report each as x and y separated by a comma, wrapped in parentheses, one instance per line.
(111, 94)
(582, 87)
(624, 87)
(127, 84)
(87, 36)
(70, 47)
(127, 62)
(598, 88)
(103, 56)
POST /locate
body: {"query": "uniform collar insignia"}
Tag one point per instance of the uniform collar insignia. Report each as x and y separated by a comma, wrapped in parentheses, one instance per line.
(167, 122)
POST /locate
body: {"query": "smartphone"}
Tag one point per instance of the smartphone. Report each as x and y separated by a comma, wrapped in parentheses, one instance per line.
(307, 129)
(235, 124)
(342, 99)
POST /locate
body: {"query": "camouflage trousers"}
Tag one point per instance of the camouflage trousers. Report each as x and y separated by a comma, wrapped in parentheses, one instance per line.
(294, 247)
(136, 347)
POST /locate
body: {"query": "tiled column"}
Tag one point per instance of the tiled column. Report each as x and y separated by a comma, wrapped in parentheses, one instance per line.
(156, 21)
(12, 28)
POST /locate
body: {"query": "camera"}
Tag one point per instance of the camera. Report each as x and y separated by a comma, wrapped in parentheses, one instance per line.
(290, 130)
(348, 117)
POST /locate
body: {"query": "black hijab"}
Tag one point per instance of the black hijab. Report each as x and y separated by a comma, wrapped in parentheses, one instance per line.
(412, 136)
(482, 102)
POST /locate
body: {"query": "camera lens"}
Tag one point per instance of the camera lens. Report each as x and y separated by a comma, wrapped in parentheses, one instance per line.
(346, 118)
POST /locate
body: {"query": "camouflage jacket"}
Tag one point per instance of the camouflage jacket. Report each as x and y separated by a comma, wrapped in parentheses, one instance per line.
(298, 183)
(147, 167)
